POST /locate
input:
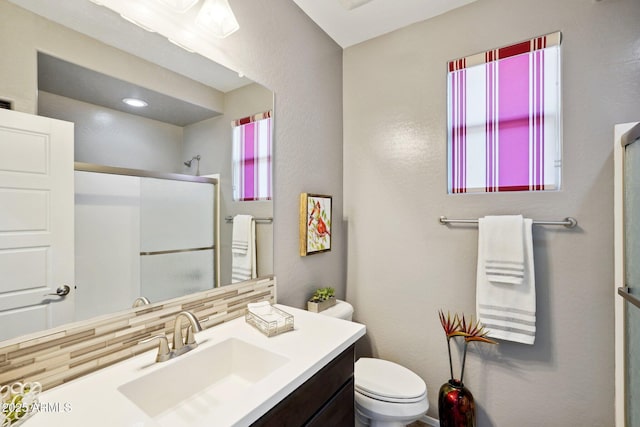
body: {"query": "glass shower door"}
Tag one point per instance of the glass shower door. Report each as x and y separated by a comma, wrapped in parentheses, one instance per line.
(177, 251)
(632, 282)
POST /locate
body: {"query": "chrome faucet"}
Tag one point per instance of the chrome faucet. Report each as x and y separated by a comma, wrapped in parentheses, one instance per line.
(180, 344)
(140, 301)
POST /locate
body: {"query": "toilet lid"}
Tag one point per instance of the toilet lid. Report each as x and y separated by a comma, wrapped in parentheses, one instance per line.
(388, 381)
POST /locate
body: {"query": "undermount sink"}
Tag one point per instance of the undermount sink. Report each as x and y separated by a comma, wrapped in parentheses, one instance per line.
(204, 380)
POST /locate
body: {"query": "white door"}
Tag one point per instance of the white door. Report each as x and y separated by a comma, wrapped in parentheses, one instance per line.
(36, 223)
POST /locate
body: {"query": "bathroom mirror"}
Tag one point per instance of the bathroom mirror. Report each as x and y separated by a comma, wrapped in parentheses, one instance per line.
(168, 67)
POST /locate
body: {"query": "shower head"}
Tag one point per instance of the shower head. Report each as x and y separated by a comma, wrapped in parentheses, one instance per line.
(188, 162)
(197, 159)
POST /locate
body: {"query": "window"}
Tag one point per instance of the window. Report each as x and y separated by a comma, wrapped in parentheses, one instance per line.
(504, 119)
(252, 158)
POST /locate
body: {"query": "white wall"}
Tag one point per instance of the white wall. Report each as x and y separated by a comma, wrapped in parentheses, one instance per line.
(403, 265)
(108, 137)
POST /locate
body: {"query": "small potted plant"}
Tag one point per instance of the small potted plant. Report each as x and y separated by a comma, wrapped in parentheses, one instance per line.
(322, 299)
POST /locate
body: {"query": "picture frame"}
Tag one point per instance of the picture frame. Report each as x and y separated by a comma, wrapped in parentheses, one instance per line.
(315, 223)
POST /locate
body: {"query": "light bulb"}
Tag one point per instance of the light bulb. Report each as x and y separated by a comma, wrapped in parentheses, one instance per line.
(134, 102)
(216, 17)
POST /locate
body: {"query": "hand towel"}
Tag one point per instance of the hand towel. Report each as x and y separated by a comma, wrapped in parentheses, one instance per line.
(241, 234)
(243, 249)
(507, 310)
(503, 240)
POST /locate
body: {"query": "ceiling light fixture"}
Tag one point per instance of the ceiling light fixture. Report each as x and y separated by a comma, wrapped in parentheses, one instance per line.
(217, 17)
(180, 6)
(191, 24)
(134, 102)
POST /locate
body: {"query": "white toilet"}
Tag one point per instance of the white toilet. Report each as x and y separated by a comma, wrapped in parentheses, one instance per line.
(386, 394)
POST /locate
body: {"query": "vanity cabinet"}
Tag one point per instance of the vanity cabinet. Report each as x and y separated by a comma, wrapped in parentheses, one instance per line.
(326, 399)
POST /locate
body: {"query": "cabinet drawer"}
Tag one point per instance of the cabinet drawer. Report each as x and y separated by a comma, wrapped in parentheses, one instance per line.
(304, 403)
(339, 411)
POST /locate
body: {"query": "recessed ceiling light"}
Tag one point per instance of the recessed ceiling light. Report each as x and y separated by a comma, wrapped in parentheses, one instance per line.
(133, 102)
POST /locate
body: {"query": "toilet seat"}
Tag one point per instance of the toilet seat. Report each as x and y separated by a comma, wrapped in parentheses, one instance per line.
(388, 382)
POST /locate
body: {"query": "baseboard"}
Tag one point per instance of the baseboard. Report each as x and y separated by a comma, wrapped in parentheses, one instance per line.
(430, 421)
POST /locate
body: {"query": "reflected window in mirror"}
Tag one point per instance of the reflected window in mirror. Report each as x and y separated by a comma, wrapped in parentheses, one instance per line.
(252, 143)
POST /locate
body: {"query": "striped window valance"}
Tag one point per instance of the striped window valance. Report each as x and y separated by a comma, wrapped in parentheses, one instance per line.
(252, 157)
(504, 118)
(250, 119)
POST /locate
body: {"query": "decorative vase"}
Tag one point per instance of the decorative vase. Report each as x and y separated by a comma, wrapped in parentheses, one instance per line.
(456, 407)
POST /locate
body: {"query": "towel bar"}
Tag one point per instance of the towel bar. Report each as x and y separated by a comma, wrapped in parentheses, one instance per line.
(257, 219)
(568, 222)
(625, 293)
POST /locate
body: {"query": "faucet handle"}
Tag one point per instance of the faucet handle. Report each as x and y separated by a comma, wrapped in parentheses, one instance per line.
(191, 339)
(163, 348)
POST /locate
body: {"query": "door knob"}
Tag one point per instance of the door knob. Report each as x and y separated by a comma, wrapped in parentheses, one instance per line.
(61, 291)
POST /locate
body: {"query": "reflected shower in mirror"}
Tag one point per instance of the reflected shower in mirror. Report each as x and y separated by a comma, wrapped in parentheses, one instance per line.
(191, 103)
(154, 234)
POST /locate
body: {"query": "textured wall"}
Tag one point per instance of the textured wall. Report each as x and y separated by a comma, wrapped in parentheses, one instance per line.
(279, 47)
(403, 265)
(108, 137)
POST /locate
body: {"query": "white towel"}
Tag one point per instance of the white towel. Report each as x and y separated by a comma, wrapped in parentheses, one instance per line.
(241, 234)
(243, 248)
(503, 241)
(507, 310)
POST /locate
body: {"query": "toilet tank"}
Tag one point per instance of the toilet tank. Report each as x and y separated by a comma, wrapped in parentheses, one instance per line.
(342, 310)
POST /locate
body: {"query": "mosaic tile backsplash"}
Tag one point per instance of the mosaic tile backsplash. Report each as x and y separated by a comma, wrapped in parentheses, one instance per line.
(63, 354)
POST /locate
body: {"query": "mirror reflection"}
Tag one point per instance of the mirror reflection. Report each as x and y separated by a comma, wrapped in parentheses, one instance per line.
(186, 129)
(140, 235)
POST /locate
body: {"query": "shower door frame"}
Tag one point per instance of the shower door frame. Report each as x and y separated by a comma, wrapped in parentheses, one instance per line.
(91, 167)
(623, 134)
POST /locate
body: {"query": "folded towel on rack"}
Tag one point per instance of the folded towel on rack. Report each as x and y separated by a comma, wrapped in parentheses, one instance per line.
(241, 234)
(507, 310)
(243, 248)
(503, 241)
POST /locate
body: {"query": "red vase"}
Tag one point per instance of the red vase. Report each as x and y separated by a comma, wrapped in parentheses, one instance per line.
(456, 407)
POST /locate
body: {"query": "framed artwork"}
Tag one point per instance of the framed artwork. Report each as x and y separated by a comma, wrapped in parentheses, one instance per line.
(315, 223)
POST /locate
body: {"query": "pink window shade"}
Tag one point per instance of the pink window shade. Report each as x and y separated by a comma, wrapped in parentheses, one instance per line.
(252, 158)
(504, 118)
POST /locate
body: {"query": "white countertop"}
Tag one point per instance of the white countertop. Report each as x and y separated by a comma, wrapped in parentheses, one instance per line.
(96, 401)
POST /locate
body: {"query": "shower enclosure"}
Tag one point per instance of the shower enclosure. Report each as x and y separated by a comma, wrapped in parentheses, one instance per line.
(628, 275)
(142, 234)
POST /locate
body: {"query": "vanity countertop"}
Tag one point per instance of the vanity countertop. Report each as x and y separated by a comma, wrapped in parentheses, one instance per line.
(96, 400)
